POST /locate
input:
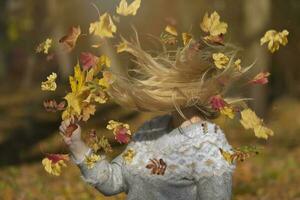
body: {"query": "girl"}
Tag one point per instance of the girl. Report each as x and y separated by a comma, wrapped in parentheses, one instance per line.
(176, 155)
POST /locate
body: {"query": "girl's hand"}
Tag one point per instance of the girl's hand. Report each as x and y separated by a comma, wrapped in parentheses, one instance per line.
(71, 134)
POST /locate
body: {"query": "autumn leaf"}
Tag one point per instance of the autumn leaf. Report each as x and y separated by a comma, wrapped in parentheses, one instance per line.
(122, 47)
(69, 40)
(104, 27)
(53, 106)
(128, 155)
(227, 111)
(261, 78)
(87, 111)
(49, 84)
(106, 80)
(88, 60)
(212, 24)
(125, 9)
(91, 160)
(171, 29)
(274, 39)
(217, 102)
(120, 130)
(249, 120)
(186, 38)
(237, 65)
(44, 46)
(220, 60)
(54, 162)
(104, 61)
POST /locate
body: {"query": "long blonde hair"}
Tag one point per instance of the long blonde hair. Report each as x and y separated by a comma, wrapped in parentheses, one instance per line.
(173, 80)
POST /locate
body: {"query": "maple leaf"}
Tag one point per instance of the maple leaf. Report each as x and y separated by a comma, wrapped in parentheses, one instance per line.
(217, 102)
(44, 46)
(69, 40)
(122, 136)
(106, 80)
(105, 27)
(88, 60)
(125, 9)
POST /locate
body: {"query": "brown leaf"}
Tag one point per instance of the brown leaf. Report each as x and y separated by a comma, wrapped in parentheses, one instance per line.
(69, 40)
(53, 106)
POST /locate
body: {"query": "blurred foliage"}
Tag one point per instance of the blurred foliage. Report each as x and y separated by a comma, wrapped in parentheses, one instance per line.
(26, 130)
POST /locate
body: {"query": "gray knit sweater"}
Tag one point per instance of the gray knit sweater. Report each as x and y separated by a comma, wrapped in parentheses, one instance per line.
(186, 164)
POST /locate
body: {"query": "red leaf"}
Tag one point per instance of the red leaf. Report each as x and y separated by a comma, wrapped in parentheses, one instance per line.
(122, 135)
(88, 60)
(69, 40)
(57, 157)
(217, 102)
(261, 78)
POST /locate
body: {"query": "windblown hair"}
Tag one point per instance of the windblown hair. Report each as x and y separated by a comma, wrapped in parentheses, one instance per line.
(173, 80)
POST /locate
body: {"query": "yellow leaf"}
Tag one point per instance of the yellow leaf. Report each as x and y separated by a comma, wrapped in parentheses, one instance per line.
(53, 166)
(172, 30)
(49, 84)
(227, 156)
(77, 81)
(263, 132)
(106, 80)
(186, 38)
(274, 39)
(125, 9)
(44, 46)
(128, 155)
(105, 27)
(249, 119)
(104, 60)
(91, 160)
(227, 111)
(220, 60)
(237, 65)
(212, 25)
(74, 103)
(87, 111)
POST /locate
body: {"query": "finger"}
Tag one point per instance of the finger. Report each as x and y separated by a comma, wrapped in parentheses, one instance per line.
(62, 129)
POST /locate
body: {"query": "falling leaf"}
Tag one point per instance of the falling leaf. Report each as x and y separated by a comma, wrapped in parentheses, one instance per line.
(168, 38)
(186, 38)
(220, 60)
(120, 130)
(249, 120)
(274, 39)
(106, 80)
(239, 154)
(171, 29)
(49, 84)
(88, 60)
(212, 25)
(128, 155)
(91, 160)
(69, 40)
(217, 102)
(105, 27)
(104, 61)
(44, 46)
(125, 9)
(53, 106)
(219, 39)
(261, 78)
(237, 65)
(54, 162)
(227, 111)
(87, 111)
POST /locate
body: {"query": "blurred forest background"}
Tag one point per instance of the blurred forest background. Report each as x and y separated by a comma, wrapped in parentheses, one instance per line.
(26, 130)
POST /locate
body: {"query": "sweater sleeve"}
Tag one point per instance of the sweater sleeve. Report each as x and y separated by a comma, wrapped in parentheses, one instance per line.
(106, 177)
